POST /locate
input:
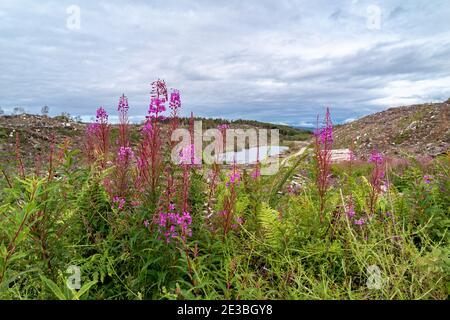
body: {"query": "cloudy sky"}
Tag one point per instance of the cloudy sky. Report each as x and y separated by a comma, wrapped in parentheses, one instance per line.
(277, 61)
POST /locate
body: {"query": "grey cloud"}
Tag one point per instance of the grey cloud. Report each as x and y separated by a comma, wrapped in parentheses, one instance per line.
(280, 61)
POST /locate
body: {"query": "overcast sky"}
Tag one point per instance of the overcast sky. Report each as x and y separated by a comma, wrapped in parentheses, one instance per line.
(277, 61)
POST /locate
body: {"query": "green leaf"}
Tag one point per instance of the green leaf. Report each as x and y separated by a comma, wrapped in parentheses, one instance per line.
(54, 288)
(85, 288)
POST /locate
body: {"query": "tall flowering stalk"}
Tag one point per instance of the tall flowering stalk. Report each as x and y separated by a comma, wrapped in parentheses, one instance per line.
(103, 134)
(174, 106)
(143, 160)
(376, 178)
(150, 151)
(323, 144)
(123, 121)
(125, 154)
(174, 226)
(97, 138)
(229, 201)
(124, 159)
(156, 108)
(215, 170)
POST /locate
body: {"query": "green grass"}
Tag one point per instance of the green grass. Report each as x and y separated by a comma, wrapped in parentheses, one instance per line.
(280, 251)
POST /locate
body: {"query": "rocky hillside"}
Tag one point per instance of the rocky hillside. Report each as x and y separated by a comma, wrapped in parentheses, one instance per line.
(36, 133)
(418, 129)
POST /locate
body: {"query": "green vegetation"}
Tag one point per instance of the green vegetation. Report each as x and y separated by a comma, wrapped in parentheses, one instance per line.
(279, 250)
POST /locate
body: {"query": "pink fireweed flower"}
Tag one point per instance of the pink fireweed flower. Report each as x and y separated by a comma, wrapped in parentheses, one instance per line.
(222, 213)
(239, 222)
(146, 223)
(101, 115)
(92, 128)
(235, 178)
(325, 134)
(378, 173)
(147, 129)
(256, 173)
(175, 101)
(322, 152)
(118, 203)
(159, 89)
(172, 224)
(125, 154)
(223, 126)
(350, 211)
(123, 104)
(376, 179)
(376, 157)
(187, 155)
(156, 106)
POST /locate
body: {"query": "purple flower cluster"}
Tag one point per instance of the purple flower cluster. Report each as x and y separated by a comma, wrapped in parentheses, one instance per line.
(427, 179)
(123, 104)
(101, 115)
(359, 222)
(147, 129)
(325, 134)
(235, 178)
(92, 128)
(175, 101)
(172, 224)
(187, 155)
(125, 154)
(255, 174)
(223, 126)
(156, 106)
(118, 203)
(239, 221)
(376, 157)
(350, 211)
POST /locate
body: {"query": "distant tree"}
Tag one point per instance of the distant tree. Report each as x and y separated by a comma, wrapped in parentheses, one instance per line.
(65, 116)
(18, 110)
(78, 119)
(1, 111)
(44, 110)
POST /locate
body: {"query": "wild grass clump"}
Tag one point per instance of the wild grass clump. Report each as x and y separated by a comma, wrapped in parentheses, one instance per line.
(139, 226)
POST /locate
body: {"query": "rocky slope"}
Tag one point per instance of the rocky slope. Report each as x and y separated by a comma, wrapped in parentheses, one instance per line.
(418, 130)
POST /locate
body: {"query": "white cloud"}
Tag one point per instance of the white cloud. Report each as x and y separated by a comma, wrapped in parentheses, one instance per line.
(274, 61)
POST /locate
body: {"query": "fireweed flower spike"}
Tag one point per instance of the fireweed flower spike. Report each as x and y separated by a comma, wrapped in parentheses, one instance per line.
(101, 115)
(350, 211)
(118, 203)
(172, 224)
(376, 178)
(323, 145)
(97, 137)
(175, 101)
(125, 154)
(123, 121)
